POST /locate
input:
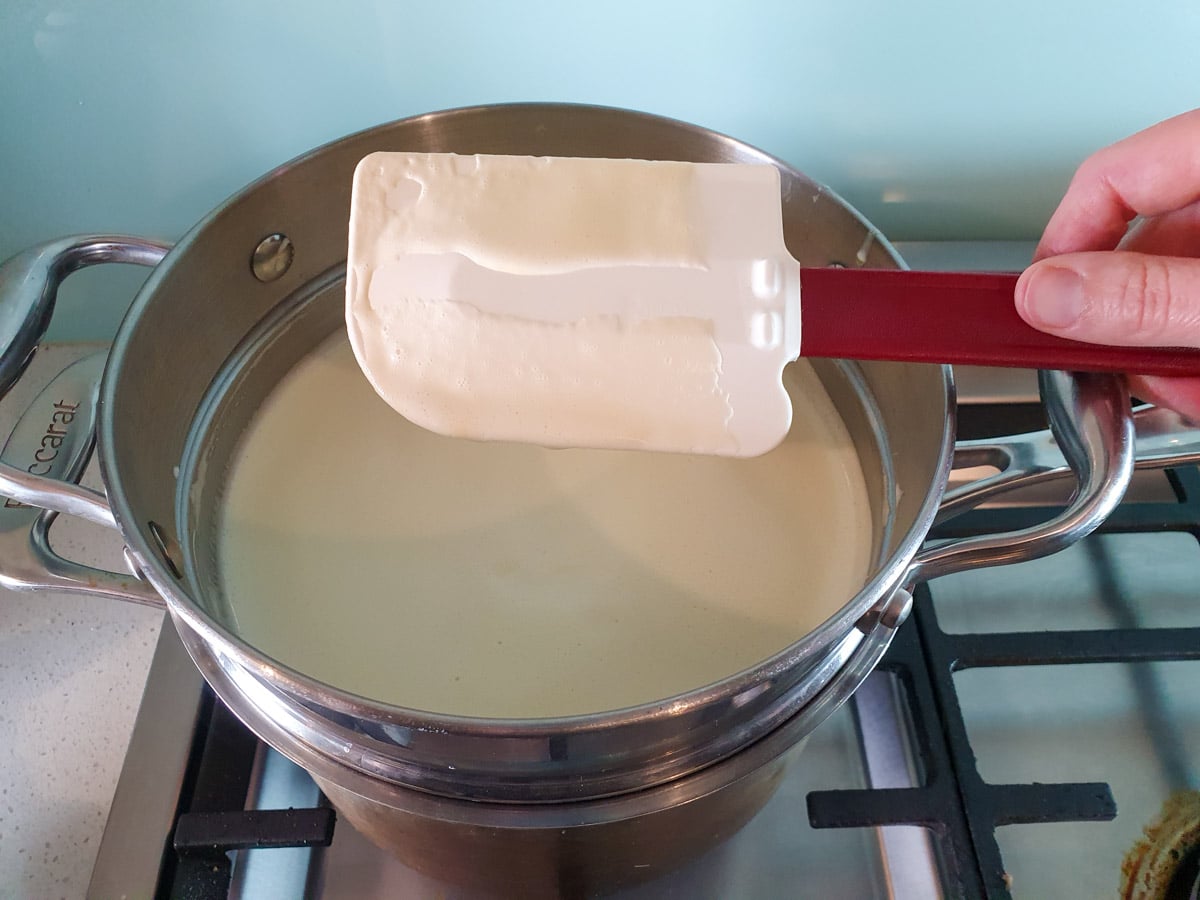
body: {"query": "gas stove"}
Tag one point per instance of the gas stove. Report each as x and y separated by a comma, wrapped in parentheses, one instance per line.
(1032, 732)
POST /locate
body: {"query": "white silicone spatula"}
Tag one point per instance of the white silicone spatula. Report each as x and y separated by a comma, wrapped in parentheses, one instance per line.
(632, 304)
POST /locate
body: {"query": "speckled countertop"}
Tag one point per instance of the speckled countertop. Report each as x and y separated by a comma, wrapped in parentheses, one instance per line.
(72, 671)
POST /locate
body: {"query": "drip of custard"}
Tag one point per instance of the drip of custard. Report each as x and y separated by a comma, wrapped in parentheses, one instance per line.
(507, 580)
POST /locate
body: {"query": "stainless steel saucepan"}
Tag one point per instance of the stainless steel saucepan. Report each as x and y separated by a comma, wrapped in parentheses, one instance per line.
(605, 797)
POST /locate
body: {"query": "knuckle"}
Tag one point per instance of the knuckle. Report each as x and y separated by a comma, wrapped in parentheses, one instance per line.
(1147, 292)
(1093, 170)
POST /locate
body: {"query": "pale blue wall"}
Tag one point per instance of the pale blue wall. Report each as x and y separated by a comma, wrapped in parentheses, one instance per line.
(938, 120)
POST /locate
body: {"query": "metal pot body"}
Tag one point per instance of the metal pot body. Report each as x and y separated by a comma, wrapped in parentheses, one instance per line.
(205, 322)
(256, 284)
(551, 850)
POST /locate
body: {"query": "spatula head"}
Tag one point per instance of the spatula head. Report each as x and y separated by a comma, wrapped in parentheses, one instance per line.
(575, 302)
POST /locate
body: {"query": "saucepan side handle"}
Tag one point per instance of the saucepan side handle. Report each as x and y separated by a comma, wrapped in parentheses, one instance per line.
(1020, 460)
(1162, 438)
(1091, 434)
(52, 442)
(29, 285)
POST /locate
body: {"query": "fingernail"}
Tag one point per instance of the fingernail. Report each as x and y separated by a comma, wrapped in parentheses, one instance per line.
(1054, 297)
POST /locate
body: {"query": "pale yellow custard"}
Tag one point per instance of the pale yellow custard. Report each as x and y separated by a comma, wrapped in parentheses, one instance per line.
(508, 580)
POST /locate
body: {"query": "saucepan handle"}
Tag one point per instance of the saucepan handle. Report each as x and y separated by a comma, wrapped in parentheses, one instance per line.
(29, 285)
(1162, 438)
(1091, 434)
(49, 448)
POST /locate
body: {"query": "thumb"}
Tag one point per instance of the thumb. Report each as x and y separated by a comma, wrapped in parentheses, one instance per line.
(1114, 297)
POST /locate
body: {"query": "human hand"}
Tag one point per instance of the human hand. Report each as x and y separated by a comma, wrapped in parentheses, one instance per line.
(1097, 278)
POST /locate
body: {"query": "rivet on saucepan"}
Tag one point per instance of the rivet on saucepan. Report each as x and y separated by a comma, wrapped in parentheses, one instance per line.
(891, 613)
(132, 565)
(272, 257)
(168, 549)
(897, 609)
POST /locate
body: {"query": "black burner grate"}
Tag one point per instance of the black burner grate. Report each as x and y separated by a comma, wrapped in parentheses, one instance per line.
(212, 821)
(960, 809)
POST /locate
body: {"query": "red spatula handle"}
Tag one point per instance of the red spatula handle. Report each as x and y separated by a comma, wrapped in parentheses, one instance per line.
(950, 317)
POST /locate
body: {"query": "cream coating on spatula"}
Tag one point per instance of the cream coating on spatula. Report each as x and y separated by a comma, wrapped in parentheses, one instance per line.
(574, 302)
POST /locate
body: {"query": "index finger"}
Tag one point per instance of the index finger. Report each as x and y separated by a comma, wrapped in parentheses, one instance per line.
(1147, 174)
